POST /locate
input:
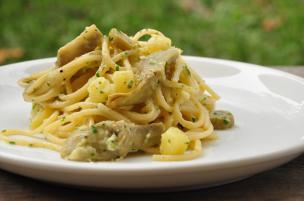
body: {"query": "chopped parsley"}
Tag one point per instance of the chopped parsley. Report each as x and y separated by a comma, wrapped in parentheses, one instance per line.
(216, 113)
(4, 130)
(63, 119)
(187, 70)
(193, 119)
(101, 92)
(169, 141)
(117, 67)
(97, 74)
(130, 84)
(30, 145)
(204, 98)
(93, 129)
(226, 121)
(12, 142)
(48, 84)
(111, 38)
(93, 154)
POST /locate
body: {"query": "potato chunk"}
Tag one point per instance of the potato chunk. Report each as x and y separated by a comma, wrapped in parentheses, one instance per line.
(174, 142)
(155, 44)
(123, 81)
(99, 89)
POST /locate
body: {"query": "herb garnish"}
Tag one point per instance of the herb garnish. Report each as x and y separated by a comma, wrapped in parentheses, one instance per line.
(97, 74)
(187, 70)
(93, 129)
(226, 121)
(204, 98)
(63, 118)
(130, 84)
(193, 119)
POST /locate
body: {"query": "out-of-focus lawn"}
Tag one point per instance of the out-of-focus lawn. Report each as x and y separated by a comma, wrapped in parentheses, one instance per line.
(269, 32)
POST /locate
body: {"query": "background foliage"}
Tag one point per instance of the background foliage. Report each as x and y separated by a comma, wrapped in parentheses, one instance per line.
(268, 32)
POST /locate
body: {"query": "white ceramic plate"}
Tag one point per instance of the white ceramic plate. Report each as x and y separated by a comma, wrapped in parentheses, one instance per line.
(269, 110)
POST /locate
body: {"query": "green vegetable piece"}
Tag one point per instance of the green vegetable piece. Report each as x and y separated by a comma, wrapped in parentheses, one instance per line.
(222, 119)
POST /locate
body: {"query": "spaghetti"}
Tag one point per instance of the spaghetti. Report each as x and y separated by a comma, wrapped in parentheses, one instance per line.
(116, 77)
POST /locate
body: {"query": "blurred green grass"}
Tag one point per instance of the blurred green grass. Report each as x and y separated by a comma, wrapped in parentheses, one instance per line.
(268, 32)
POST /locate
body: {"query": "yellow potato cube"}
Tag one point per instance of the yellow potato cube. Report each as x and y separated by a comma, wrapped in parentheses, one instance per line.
(174, 142)
(156, 43)
(99, 89)
(123, 81)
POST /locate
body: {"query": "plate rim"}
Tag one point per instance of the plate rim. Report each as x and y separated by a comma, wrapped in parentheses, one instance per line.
(296, 148)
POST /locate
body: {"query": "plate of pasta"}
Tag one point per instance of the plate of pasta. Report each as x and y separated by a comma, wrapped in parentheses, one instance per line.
(112, 109)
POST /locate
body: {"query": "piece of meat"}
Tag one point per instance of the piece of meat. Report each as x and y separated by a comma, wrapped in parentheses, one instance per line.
(110, 140)
(149, 73)
(87, 41)
(121, 40)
